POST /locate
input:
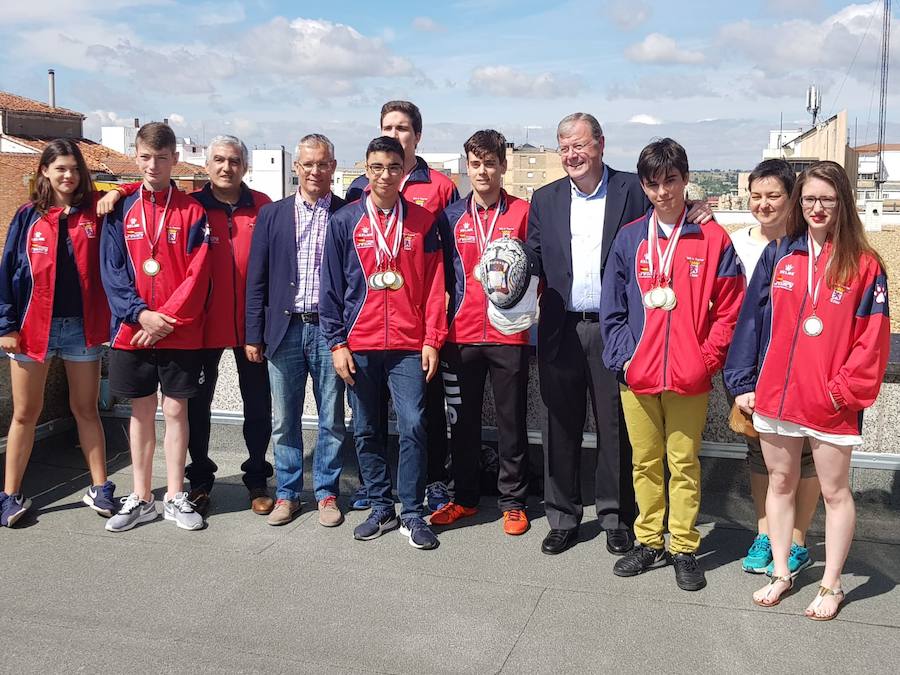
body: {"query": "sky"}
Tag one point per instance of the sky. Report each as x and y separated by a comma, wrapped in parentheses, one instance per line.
(716, 76)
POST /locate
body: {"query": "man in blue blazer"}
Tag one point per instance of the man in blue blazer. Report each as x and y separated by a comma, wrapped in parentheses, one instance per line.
(283, 325)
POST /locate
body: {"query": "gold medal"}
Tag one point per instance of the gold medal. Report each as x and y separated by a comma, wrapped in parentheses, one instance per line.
(151, 267)
(388, 278)
(398, 282)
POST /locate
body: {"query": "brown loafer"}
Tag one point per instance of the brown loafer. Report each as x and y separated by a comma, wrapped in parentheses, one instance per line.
(260, 501)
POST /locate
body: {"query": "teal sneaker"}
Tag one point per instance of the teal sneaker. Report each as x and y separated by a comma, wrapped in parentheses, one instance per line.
(759, 557)
(798, 561)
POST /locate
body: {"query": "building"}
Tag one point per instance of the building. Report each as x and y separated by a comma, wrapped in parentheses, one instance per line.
(270, 172)
(191, 151)
(890, 175)
(825, 141)
(26, 126)
(120, 138)
(530, 167)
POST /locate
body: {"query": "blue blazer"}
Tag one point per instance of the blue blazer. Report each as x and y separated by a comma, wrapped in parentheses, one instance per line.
(272, 272)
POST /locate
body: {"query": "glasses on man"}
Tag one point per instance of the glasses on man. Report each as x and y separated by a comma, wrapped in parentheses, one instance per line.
(809, 202)
(392, 169)
(577, 148)
(308, 167)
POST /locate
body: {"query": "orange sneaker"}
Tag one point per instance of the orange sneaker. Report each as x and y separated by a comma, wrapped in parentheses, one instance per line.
(450, 513)
(515, 522)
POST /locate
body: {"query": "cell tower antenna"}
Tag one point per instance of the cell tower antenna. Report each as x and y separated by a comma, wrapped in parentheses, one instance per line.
(813, 102)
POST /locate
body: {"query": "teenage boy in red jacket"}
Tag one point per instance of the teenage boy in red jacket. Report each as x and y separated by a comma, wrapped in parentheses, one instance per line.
(382, 313)
(669, 302)
(155, 269)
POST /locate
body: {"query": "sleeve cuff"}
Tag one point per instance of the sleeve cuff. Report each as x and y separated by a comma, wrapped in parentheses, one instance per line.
(837, 395)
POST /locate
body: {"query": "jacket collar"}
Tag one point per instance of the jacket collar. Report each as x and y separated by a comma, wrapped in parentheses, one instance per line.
(206, 197)
(503, 201)
(688, 228)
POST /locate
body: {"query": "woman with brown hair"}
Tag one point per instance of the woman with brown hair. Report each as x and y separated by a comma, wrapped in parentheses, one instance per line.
(810, 352)
(52, 303)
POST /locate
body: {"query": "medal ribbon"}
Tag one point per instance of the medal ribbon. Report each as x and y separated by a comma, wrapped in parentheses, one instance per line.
(665, 259)
(811, 273)
(484, 238)
(395, 222)
(162, 221)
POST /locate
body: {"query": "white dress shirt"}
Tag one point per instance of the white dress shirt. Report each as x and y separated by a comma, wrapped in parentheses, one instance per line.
(586, 224)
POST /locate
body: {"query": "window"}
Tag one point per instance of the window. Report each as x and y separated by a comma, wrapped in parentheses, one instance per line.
(531, 174)
(532, 160)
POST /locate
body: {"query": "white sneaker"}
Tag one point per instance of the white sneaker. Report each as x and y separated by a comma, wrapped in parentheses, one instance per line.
(133, 511)
(181, 510)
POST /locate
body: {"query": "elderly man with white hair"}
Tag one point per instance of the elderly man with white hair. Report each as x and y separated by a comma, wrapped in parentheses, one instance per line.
(232, 209)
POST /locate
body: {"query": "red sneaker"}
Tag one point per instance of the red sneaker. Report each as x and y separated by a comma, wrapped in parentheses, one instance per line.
(450, 513)
(515, 522)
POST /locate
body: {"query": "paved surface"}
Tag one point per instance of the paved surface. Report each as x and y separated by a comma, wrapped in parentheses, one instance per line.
(241, 596)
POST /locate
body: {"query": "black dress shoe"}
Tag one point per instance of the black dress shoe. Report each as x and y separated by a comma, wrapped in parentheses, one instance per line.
(558, 541)
(619, 542)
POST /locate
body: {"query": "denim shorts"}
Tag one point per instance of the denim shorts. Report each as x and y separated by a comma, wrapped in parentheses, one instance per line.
(66, 341)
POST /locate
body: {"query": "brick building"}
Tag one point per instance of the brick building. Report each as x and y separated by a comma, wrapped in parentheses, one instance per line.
(26, 126)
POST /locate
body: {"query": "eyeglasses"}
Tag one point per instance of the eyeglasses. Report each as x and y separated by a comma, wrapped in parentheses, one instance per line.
(392, 169)
(576, 148)
(309, 166)
(809, 202)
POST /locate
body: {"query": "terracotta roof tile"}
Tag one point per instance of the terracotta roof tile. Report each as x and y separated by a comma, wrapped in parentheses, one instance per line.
(101, 159)
(873, 147)
(21, 104)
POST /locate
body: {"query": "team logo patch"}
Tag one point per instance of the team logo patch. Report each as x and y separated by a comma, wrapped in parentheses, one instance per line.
(837, 294)
(880, 294)
(694, 266)
(213, 239)
(39, 249)
(788, 270)
(38, 236)
(408, 238)
(506, 232)
(420, 200)
(131, 236)
(172, 234)
(781, 282)
(644, 267)
(90, 231)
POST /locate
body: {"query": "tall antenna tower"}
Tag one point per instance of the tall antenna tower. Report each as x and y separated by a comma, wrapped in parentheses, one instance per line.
(882, 111)
(813, 102)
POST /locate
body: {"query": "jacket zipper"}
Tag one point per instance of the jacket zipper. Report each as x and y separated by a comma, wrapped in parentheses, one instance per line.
(666, 350)
(237, 339)
(153, 222)
(787, 374)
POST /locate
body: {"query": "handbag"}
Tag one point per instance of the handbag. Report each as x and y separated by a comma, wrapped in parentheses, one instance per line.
(741, 423)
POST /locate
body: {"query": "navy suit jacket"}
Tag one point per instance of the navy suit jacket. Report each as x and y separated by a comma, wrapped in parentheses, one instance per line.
(272, 272)
(550, 245)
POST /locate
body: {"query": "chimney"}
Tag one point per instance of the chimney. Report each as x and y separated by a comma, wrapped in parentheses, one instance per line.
(137, 123)
(51, 83)
(166, 121)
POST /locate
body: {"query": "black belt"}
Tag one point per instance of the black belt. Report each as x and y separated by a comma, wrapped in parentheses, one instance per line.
(592, 317)
(308, 317)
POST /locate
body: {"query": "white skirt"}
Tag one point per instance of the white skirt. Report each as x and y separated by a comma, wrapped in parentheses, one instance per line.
(770, 425)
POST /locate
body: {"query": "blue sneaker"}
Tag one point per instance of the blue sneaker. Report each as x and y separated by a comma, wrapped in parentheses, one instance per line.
(798, 560)
(759, 556)
(420, 535)
(437, 496)
(378, 522)
(12, 507)
(361, 501)
(102, 499)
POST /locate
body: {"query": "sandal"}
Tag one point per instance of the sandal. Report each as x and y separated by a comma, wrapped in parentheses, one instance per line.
(770, 589)
(823, 593)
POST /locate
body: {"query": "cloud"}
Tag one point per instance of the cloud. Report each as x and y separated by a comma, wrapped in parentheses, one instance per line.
(219, 13)
(628, 14)
(644, 119)
(663, 50)
(509, 82)
(792, 7)
(176, 119)
(671, 86)
(427, 25)
(322, 49)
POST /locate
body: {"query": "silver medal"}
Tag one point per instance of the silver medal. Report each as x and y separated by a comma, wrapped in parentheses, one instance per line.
(376, 282)
(388, 278)
(671, 300)
(398, 282)
(813, 326)
(151, 267)
(648, 303)
(658, 297)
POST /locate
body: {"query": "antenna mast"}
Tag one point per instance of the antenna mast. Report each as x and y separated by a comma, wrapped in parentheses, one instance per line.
(882, 112)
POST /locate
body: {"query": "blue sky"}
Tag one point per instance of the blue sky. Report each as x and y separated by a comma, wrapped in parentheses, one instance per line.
(714, 75)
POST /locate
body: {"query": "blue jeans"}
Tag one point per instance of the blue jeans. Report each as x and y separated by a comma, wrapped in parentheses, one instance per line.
(303, 352)
(66, 341)
(403, 372)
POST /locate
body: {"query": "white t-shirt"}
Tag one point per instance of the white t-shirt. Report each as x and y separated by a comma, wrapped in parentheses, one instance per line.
(748, 249)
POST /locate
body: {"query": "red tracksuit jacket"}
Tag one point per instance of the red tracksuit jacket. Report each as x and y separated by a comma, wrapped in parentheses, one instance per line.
(230, 234)
(28, 276)
(677, 350)
(367, 319)
(468, 320)
(793, 373)
(179, 290)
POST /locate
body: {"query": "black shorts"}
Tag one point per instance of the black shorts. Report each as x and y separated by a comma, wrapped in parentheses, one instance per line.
(135, 373)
